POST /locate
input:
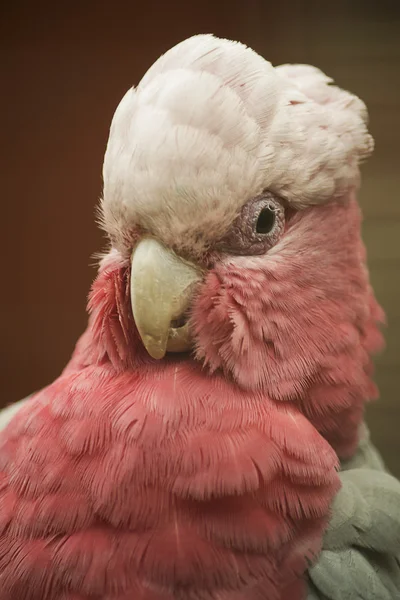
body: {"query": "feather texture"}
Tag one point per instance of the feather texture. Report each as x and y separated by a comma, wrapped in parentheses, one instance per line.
(112, 483)
(362, 544)
(300, 322)
(209, 475)
(211, 125)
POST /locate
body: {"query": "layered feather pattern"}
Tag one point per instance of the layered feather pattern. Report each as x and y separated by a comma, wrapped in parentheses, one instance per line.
(300, 323)
(211, 125)
(208, 475)
(159, 484)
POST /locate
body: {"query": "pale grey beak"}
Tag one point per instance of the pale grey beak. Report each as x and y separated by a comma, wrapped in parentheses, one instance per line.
(162, 286)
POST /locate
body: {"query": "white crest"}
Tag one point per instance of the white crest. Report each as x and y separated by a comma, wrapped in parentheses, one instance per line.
(212, 124)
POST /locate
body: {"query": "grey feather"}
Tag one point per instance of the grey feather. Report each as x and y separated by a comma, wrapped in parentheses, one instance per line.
(360, 559)
(366, 512)
(351, 574)
(366, 455)
(314, 593)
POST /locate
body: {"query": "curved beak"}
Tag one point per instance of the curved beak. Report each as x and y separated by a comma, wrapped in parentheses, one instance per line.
(162, 286)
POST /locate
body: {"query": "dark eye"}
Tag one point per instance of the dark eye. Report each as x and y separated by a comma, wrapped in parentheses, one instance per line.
(266, 220)
(257, 228)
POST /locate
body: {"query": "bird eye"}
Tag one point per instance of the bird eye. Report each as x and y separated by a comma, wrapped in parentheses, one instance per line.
(266, 220)
(258, 227)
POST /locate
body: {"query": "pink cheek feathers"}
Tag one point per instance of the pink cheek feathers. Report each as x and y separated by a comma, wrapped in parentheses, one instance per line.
(299, 323)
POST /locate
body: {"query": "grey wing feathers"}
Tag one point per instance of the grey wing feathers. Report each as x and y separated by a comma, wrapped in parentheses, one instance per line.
(360, 559)
(366, 455)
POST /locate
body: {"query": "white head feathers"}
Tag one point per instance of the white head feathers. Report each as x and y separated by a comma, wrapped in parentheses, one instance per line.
(211, 125)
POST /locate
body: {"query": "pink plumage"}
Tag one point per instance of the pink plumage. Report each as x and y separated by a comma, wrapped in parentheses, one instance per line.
(124, 484)
(300, 325)
(207, 475)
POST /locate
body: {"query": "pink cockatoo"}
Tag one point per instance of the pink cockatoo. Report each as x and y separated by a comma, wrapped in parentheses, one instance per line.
(189, 450)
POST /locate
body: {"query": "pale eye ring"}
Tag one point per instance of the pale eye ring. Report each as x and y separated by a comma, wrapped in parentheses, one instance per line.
(258, 227)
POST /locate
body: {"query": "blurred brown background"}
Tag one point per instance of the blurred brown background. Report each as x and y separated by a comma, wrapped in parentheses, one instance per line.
(65, 68)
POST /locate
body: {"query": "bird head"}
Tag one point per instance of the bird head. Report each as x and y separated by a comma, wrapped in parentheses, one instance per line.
(230, 198)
